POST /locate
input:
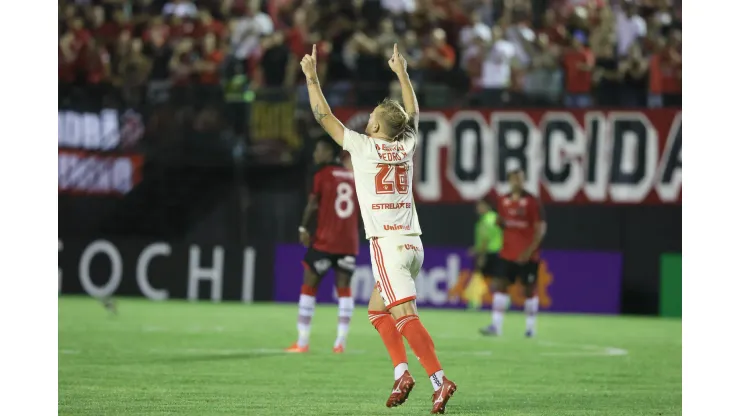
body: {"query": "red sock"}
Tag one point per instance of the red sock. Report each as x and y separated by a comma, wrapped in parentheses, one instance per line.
(420, 342)
(308, 290)
(383, 322)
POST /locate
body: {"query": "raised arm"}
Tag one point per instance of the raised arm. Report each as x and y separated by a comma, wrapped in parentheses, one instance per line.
(319, 106)
(398, 65)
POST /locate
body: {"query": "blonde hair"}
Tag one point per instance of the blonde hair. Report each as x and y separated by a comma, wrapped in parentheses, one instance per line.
(395, 119)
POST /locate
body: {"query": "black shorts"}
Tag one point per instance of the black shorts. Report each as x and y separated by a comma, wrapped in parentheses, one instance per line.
(510, 270)
(320, 262)
(490, 265)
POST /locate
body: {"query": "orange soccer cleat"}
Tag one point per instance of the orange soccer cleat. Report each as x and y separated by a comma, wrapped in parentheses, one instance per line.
(338, 349)
(401, 390)
(296, 349)
(441, 396)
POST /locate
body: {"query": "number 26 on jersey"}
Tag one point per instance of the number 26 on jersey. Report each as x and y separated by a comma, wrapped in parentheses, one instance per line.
(391, 179)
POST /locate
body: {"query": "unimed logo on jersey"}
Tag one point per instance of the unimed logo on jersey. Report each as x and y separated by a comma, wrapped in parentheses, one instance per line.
(569, 156)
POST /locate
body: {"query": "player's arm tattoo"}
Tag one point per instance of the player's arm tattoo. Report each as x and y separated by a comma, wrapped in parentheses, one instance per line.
(318, 115)
(312, 81)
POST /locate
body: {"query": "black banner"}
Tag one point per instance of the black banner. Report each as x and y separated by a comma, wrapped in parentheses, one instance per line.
(159, 270)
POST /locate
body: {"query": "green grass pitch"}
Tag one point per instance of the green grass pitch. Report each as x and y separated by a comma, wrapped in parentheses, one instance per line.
(179, 358)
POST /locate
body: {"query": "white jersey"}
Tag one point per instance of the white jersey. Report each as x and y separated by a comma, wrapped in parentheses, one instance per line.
(383, 180)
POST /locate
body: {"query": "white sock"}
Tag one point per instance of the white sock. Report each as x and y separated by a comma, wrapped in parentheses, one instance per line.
(346, 306)
(306, 308)
(500, 304)
(399, 370)
(436, 379)
(531, 306)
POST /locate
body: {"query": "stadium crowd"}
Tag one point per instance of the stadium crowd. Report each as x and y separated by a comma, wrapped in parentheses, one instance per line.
(483, 52)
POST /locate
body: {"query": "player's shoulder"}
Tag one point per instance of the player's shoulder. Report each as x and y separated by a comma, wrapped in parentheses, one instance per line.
(355, 142)
(335, 170)
(505, 199)
(356, 136)
(321, 169)
(532, 198)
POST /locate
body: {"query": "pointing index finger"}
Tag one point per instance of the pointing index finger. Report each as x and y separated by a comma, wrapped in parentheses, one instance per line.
(313, 52)
(395, 49)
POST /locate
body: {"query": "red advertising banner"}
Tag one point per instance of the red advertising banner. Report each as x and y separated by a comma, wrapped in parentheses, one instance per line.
(568, 156)
(86, 172)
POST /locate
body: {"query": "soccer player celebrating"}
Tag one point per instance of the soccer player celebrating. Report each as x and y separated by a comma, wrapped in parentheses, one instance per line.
(523, 221)
(335, 243)
(382, 161)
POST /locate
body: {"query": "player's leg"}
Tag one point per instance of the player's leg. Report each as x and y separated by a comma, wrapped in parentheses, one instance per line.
(315, 265)
(110, 304)
(386, 327)
(344, 268)
(500, 303)
(398, 263)
(532, 303)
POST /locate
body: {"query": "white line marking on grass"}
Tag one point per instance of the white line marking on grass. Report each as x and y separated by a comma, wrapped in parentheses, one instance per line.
(266, 351)
(582, 350)
(275, 351)
(190, 330)
(153, 329)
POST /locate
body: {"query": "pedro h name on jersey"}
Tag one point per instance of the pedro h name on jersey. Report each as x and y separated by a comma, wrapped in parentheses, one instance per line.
(383, 172)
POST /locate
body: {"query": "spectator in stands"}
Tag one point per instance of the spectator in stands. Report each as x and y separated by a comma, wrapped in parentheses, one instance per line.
(180, 8)
(543, 80)
(665, 72)
(472, 59)
(607, 78)
(578, 63)
(387, 37)
(81, 34)
(365, 55)
(181, 28)
(68, 55)
(247, 30)
(413, 53)
(397, 10)
(158, 29)
(520, 34)
(183, 63)
(209, 66)
(631, 27)
(274, 60)
(664, 13)
(134, 39)
(486, 9)
(498, 60)
(133, 73)
(476, 28)
(398, 7)
(159, 51)
(96, 63)
(105, 30)
(208, 25)
(120, 48)
(634, 70)
(555, 30)
(438, 58)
